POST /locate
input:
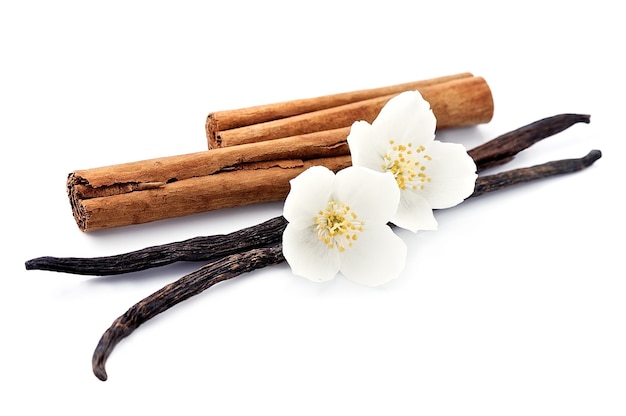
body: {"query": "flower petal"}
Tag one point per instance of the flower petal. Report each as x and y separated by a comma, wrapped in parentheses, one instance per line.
(406, 117)
(373, 196)
(307, 256)
(377, 257)
(414, 213)
(309, 192)
(453, 174)
(366, 149)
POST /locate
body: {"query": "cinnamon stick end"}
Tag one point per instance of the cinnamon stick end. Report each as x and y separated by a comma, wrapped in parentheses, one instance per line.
(212, 128)
(81, 216)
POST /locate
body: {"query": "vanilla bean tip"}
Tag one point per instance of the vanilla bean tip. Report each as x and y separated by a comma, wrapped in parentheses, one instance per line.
(100, 372)
(568, 119)
(591, 157)
(38, 263)
(582, 118)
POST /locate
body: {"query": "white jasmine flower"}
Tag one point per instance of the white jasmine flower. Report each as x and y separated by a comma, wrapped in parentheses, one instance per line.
(430, 174)
(338, 223)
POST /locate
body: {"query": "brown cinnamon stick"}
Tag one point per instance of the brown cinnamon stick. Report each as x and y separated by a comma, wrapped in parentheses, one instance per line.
(116, 204)
(230, 119)
(149, 190)
(461, 101)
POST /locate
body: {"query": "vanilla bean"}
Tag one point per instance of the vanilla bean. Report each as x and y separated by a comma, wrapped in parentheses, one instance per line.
(194, 249)
(236, 264)
(178, 291)
(490, 183)
(503, 148)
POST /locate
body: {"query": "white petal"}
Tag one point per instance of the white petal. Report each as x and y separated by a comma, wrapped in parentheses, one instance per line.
(414, 213)
(377, 257)
(307, 256)
(373, 196)
(406, 117)
(453, 174)
(310, 192)
(366, 148)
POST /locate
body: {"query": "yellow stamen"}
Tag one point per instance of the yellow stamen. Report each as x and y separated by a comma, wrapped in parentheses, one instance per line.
(402, 162)
(337, 226)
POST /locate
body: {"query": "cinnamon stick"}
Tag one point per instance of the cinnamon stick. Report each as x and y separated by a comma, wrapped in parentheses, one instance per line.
(116, 204)
(230, 119)
(460, 101)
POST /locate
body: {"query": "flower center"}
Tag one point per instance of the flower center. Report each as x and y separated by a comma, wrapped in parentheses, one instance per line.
(337, 226)
(408, 165)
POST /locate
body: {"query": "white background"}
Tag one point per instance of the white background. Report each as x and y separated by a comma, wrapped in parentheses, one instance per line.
(515, 306)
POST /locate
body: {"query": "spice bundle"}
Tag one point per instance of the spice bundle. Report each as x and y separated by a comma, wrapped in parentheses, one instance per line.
(261, 245)
(255, 152)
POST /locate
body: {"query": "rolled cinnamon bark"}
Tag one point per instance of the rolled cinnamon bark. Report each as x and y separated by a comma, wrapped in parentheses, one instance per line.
(462, 100)
(150, 196)
(257, 170)
(173, 186)
(231, 119)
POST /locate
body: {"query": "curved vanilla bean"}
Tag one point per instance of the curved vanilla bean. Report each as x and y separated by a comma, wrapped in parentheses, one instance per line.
(503, 148)
(490, 183)
(193, 249)
(236, 264)
(178, 291)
